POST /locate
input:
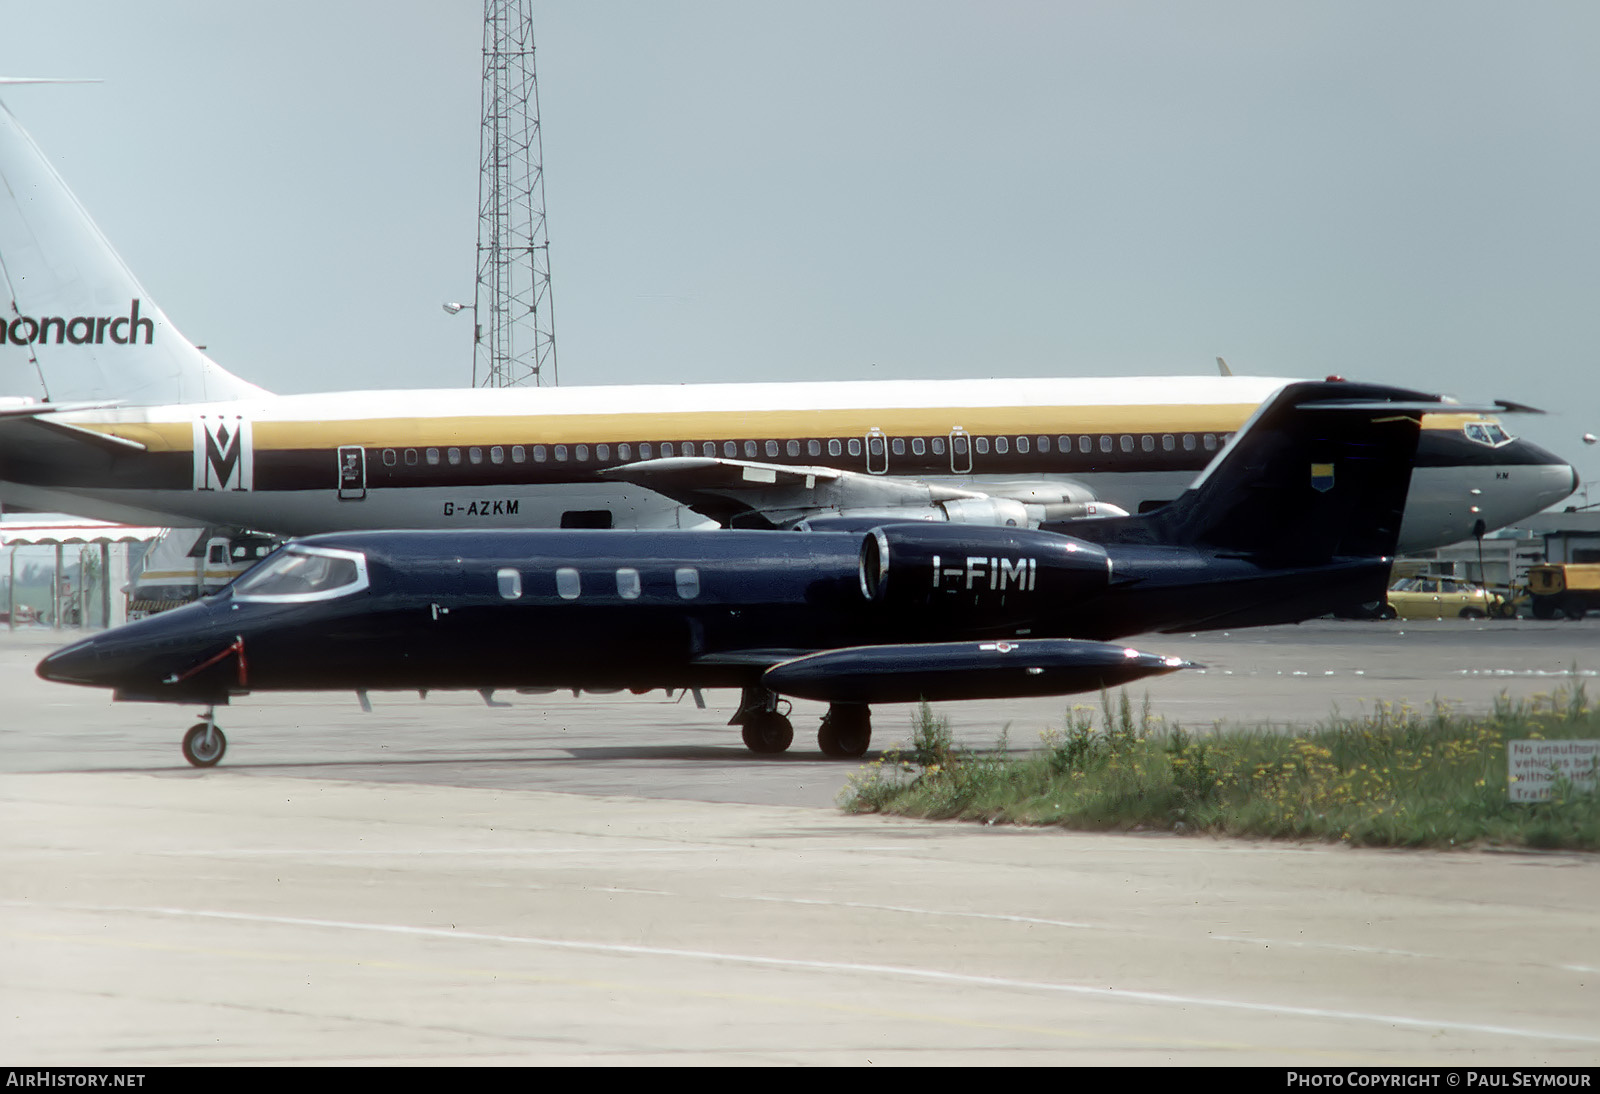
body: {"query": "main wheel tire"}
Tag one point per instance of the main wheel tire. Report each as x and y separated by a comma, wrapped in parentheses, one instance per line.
(846, 731)
(204, 745)
(767, 732)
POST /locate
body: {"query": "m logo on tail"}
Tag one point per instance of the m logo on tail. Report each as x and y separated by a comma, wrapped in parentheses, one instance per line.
(1322, 477)
(224, 453)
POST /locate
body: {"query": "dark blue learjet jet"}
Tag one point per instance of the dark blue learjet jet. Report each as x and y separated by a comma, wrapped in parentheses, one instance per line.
(1296, 517)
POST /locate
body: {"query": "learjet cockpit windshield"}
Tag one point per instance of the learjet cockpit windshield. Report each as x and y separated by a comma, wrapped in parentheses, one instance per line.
(298, 574)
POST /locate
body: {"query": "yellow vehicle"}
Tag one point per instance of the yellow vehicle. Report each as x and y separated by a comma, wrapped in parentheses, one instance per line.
(1430, 597)
(1570, 589)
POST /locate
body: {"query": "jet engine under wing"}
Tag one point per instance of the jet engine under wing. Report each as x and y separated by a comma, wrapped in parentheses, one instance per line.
(749, 494)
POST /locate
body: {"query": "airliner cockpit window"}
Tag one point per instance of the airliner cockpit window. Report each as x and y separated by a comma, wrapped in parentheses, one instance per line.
(298, 574)
(1489, 433)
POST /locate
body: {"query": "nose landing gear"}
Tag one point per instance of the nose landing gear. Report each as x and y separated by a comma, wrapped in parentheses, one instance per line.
(204, 744)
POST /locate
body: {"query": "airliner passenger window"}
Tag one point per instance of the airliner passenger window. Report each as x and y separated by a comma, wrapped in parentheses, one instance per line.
(981, 444)
(1168, 442)
(813, 448)
(497, 454)
(567, 583)
(729, 449)
(875, 445)
(602, 451)
(749, 450)
(1148, 443)
(688, 580)
(644, 450)
(538, 453)
(298, 574)
(772, 448)
(1044, 444)
(793, 447)
(454, 455)
(1105, 443)
(433, 457)
(898, 446)
(519, 454)
(855, 446)
(561, 453)
(1022, 445)
(1211, 442)
(1127, 443)
(1002, 445)
(628, 584)
(475, 455)
(624, 451)
(510, 583)
(1188, 442)
(1085, 445)
(834, 448)
(666, 448)
(411, 457)
(389, 458)
(582, 452)
(918, 446)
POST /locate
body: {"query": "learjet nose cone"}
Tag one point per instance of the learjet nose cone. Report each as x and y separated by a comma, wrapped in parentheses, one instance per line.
(74, 664)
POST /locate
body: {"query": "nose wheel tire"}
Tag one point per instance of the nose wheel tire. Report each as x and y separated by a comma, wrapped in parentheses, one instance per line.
(204, 744)
(846, 731)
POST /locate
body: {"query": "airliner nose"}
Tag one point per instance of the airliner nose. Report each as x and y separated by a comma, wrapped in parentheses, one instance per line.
(1555, 478)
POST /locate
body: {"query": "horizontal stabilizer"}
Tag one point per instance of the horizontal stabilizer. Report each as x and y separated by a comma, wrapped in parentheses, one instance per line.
(943, 671)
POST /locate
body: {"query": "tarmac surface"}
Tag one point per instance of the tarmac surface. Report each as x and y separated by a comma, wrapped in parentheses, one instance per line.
(615, 880)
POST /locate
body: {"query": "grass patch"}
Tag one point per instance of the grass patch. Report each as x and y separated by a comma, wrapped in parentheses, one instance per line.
(1399, 777)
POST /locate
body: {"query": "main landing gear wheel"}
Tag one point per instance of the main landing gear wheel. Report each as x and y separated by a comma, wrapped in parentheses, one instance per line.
(204, 744)
(767, 732)
(846, 731)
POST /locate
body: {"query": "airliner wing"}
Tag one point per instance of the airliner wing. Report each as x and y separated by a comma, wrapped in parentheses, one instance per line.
(752, 494)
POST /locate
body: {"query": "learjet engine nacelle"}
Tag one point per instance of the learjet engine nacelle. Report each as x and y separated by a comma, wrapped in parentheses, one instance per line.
(976, 574)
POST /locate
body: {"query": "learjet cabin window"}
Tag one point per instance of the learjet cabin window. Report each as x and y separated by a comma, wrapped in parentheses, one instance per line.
(628, 584)
(510, 583)
(688, 580)
(567, 584)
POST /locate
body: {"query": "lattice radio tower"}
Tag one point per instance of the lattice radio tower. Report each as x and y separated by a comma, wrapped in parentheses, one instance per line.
(514, 310)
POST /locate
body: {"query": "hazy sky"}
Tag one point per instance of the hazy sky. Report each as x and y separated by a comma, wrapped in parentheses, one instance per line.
(1403, 192)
